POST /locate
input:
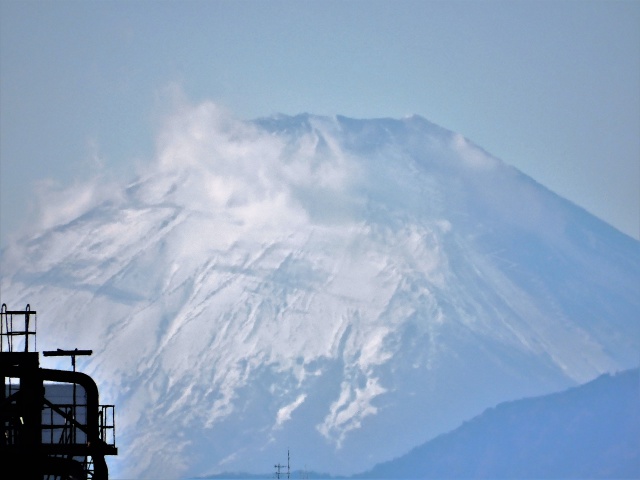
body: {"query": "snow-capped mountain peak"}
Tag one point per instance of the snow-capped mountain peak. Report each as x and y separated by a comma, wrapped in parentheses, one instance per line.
(350, 287)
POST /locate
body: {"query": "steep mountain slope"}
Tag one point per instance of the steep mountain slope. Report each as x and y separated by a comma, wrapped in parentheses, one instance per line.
(347, 288)
(590, 431)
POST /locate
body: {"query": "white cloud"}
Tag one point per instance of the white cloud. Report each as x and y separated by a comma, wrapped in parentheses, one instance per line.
(211, 163)
(472, 155)
(56, 205)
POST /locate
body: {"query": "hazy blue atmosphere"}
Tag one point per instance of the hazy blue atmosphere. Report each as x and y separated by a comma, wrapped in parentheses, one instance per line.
(297, 224)
(549, 87)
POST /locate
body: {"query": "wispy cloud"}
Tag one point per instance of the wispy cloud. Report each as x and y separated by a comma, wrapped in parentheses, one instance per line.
(210, 162)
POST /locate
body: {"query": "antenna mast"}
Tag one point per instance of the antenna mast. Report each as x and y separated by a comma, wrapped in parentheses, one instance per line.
(279, 467)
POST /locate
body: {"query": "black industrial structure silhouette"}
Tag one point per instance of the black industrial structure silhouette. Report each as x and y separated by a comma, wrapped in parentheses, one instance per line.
(52, 423)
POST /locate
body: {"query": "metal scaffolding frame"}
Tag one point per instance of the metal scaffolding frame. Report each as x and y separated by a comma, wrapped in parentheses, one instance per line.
(52, 424)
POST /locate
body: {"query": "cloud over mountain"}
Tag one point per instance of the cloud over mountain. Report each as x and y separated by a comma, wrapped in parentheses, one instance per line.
(347, 288)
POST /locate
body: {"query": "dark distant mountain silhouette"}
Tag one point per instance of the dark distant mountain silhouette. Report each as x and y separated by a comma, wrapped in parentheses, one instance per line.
(590, 431)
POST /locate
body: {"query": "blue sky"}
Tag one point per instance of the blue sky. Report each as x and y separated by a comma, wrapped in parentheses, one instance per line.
(551, 87)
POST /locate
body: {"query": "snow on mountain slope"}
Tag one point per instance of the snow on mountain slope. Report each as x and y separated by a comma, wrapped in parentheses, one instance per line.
(345, 288)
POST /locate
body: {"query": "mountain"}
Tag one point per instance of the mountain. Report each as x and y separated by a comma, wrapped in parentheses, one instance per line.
(590, 431)
(344, 288)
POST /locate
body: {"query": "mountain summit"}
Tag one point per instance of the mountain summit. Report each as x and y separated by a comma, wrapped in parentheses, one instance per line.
(347, 289)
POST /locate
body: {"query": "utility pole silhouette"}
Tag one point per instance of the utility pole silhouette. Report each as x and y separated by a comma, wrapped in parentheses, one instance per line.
(279, 467)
